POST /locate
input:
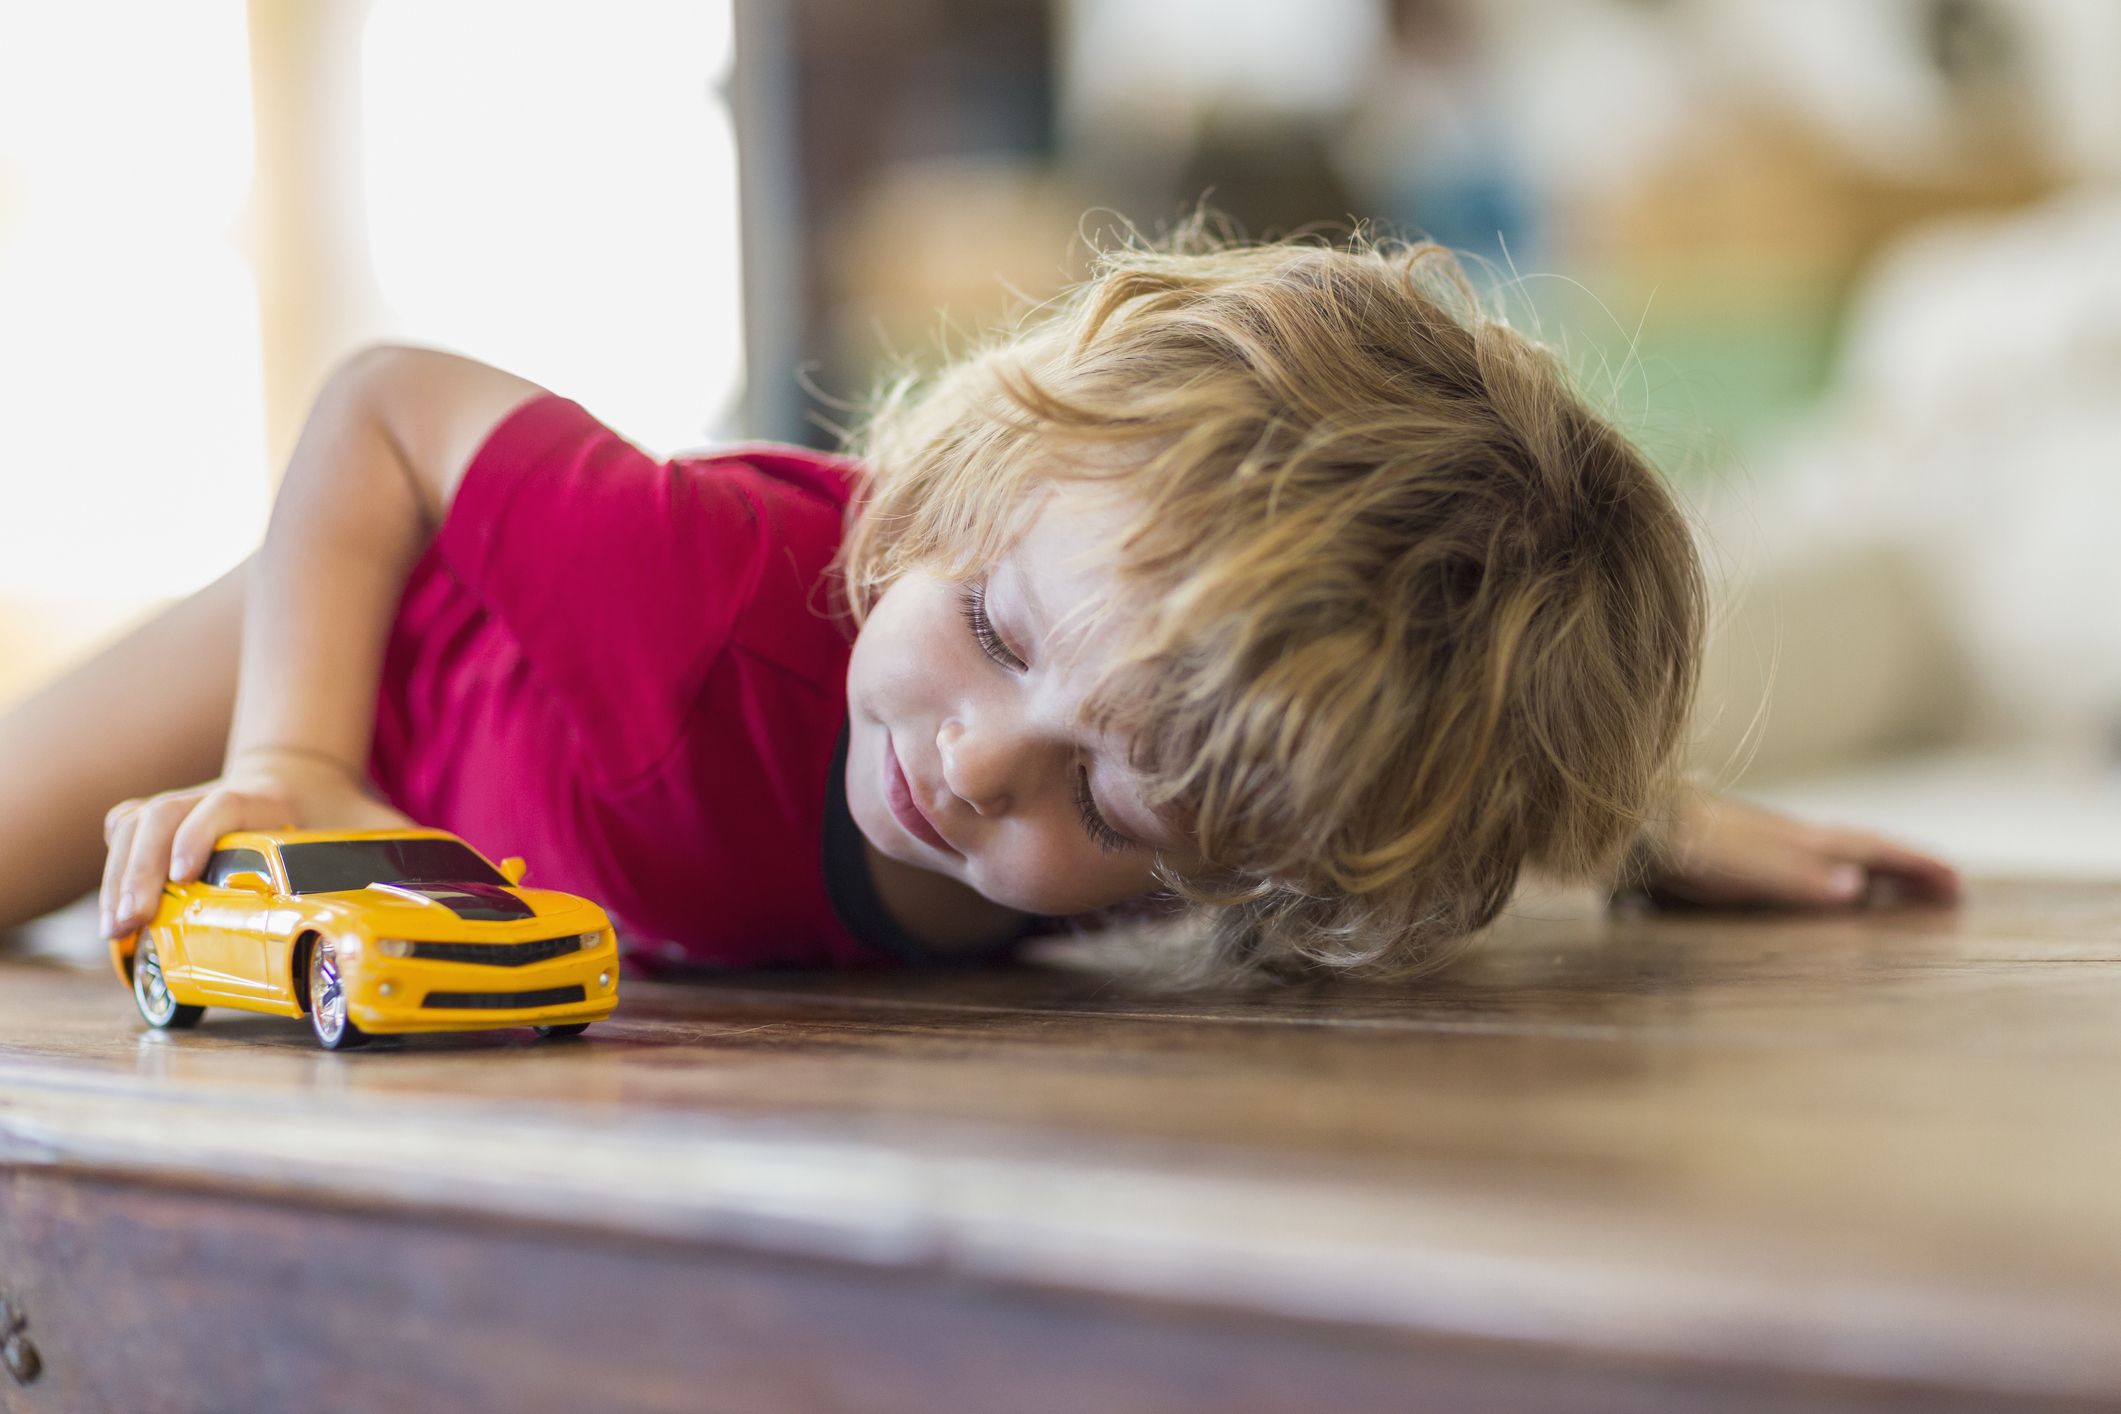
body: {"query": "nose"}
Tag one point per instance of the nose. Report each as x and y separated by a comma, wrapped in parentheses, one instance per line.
(981, 761)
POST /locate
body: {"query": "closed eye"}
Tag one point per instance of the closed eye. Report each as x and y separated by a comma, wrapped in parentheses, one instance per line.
(972, 598)
(1108, 839)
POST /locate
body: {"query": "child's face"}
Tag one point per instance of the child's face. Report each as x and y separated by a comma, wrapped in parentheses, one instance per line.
(990, 747)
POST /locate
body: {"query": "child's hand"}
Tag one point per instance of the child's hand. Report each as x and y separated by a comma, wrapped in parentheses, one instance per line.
(1720, 853)
(169, 836)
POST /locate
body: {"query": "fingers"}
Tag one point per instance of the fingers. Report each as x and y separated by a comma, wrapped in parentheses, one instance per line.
(1731, 854)
(168, 839)
(218, 812)
(1828, 882)
(193, 840)
(1799, 862)
(1910, 872)
(117, 813)
(1792, 872)
(120, 836)
(1867, 869)
(139, 860)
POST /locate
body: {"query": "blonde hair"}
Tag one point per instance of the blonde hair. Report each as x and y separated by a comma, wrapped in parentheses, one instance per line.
(1402, 615)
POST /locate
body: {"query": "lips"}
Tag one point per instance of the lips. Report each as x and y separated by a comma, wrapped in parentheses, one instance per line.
(905, 807)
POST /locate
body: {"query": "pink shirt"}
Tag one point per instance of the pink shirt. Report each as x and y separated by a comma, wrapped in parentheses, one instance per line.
(628, 672)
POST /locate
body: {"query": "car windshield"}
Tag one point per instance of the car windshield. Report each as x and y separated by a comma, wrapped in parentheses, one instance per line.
(328, 866)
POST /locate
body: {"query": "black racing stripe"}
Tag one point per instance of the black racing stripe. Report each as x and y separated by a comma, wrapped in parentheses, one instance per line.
(481, 902)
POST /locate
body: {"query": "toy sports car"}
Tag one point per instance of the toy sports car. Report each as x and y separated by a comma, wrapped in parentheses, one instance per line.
(370, 931)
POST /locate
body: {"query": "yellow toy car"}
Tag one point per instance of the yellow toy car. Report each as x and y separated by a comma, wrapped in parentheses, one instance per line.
(367, 932)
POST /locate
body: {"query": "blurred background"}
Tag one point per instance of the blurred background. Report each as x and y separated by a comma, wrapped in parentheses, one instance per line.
(1850, 269)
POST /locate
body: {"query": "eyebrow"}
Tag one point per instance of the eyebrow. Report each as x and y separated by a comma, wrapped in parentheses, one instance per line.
(1043, 624)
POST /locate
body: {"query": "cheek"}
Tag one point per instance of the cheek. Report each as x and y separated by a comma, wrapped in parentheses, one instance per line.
(890, 643)
(915, 645)
(1063, 873)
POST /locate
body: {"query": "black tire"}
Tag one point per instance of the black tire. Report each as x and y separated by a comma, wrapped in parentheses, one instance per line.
(335, 1030)
(159, 1007)
(560, 1032)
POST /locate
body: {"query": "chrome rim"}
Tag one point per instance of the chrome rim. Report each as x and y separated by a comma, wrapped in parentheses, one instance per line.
(327, 1001)
(149, 985)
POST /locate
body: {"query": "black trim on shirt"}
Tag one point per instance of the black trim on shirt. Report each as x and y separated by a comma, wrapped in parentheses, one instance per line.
(852, 892)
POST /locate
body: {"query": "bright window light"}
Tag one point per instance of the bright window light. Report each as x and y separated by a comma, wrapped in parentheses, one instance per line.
(135, 466)
(553, 189)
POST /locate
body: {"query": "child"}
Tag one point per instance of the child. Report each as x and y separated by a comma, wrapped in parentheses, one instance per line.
(1275, 589)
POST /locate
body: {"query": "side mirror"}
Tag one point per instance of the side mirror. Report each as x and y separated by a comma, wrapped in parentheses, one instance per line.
(248, 880)
(513, 868)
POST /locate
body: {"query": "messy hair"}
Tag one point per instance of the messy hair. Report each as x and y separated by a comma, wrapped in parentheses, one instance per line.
(1396, 616)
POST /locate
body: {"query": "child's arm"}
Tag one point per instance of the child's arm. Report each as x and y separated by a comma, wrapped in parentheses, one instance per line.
(375, 469)
(1717, 852)
(369, 483)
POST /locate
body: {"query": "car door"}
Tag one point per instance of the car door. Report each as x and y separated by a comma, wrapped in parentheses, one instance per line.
(198, 955)
(273, 924)
(228, 950)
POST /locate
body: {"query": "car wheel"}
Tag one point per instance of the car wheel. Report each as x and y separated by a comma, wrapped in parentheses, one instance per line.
(158, 1005)
(572, 1028)
(327, 1000)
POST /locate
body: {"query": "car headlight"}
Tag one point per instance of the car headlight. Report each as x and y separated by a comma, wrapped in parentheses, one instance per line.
(394, 947)
(592, 939)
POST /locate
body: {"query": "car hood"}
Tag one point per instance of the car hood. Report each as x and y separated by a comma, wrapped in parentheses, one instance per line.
(411, 906)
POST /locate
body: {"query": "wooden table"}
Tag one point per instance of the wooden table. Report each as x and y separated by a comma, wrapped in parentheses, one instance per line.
(1670, 1162)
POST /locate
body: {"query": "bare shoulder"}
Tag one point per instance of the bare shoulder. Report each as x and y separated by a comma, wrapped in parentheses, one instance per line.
(437, 408)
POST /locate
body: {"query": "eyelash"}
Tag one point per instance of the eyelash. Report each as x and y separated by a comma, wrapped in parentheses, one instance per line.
(1108, 839)
(972, 597)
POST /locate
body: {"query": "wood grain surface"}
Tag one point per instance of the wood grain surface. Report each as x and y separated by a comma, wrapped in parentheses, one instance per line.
(1673, 1161)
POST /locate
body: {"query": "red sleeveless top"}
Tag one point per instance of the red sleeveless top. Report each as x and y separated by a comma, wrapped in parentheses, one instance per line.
(632, 673)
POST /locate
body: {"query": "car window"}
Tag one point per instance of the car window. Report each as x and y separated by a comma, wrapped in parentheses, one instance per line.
(225, 862)
(329, 866)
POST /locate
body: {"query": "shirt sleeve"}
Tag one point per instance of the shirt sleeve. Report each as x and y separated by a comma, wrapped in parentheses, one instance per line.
(620, 577)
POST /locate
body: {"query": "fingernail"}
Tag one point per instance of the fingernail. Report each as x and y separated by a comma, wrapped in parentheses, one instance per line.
(103, 922)
(1845, 879)
(125, 907)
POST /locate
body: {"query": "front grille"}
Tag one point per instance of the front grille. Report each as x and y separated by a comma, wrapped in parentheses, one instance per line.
(502, 1001)
(500, 954)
